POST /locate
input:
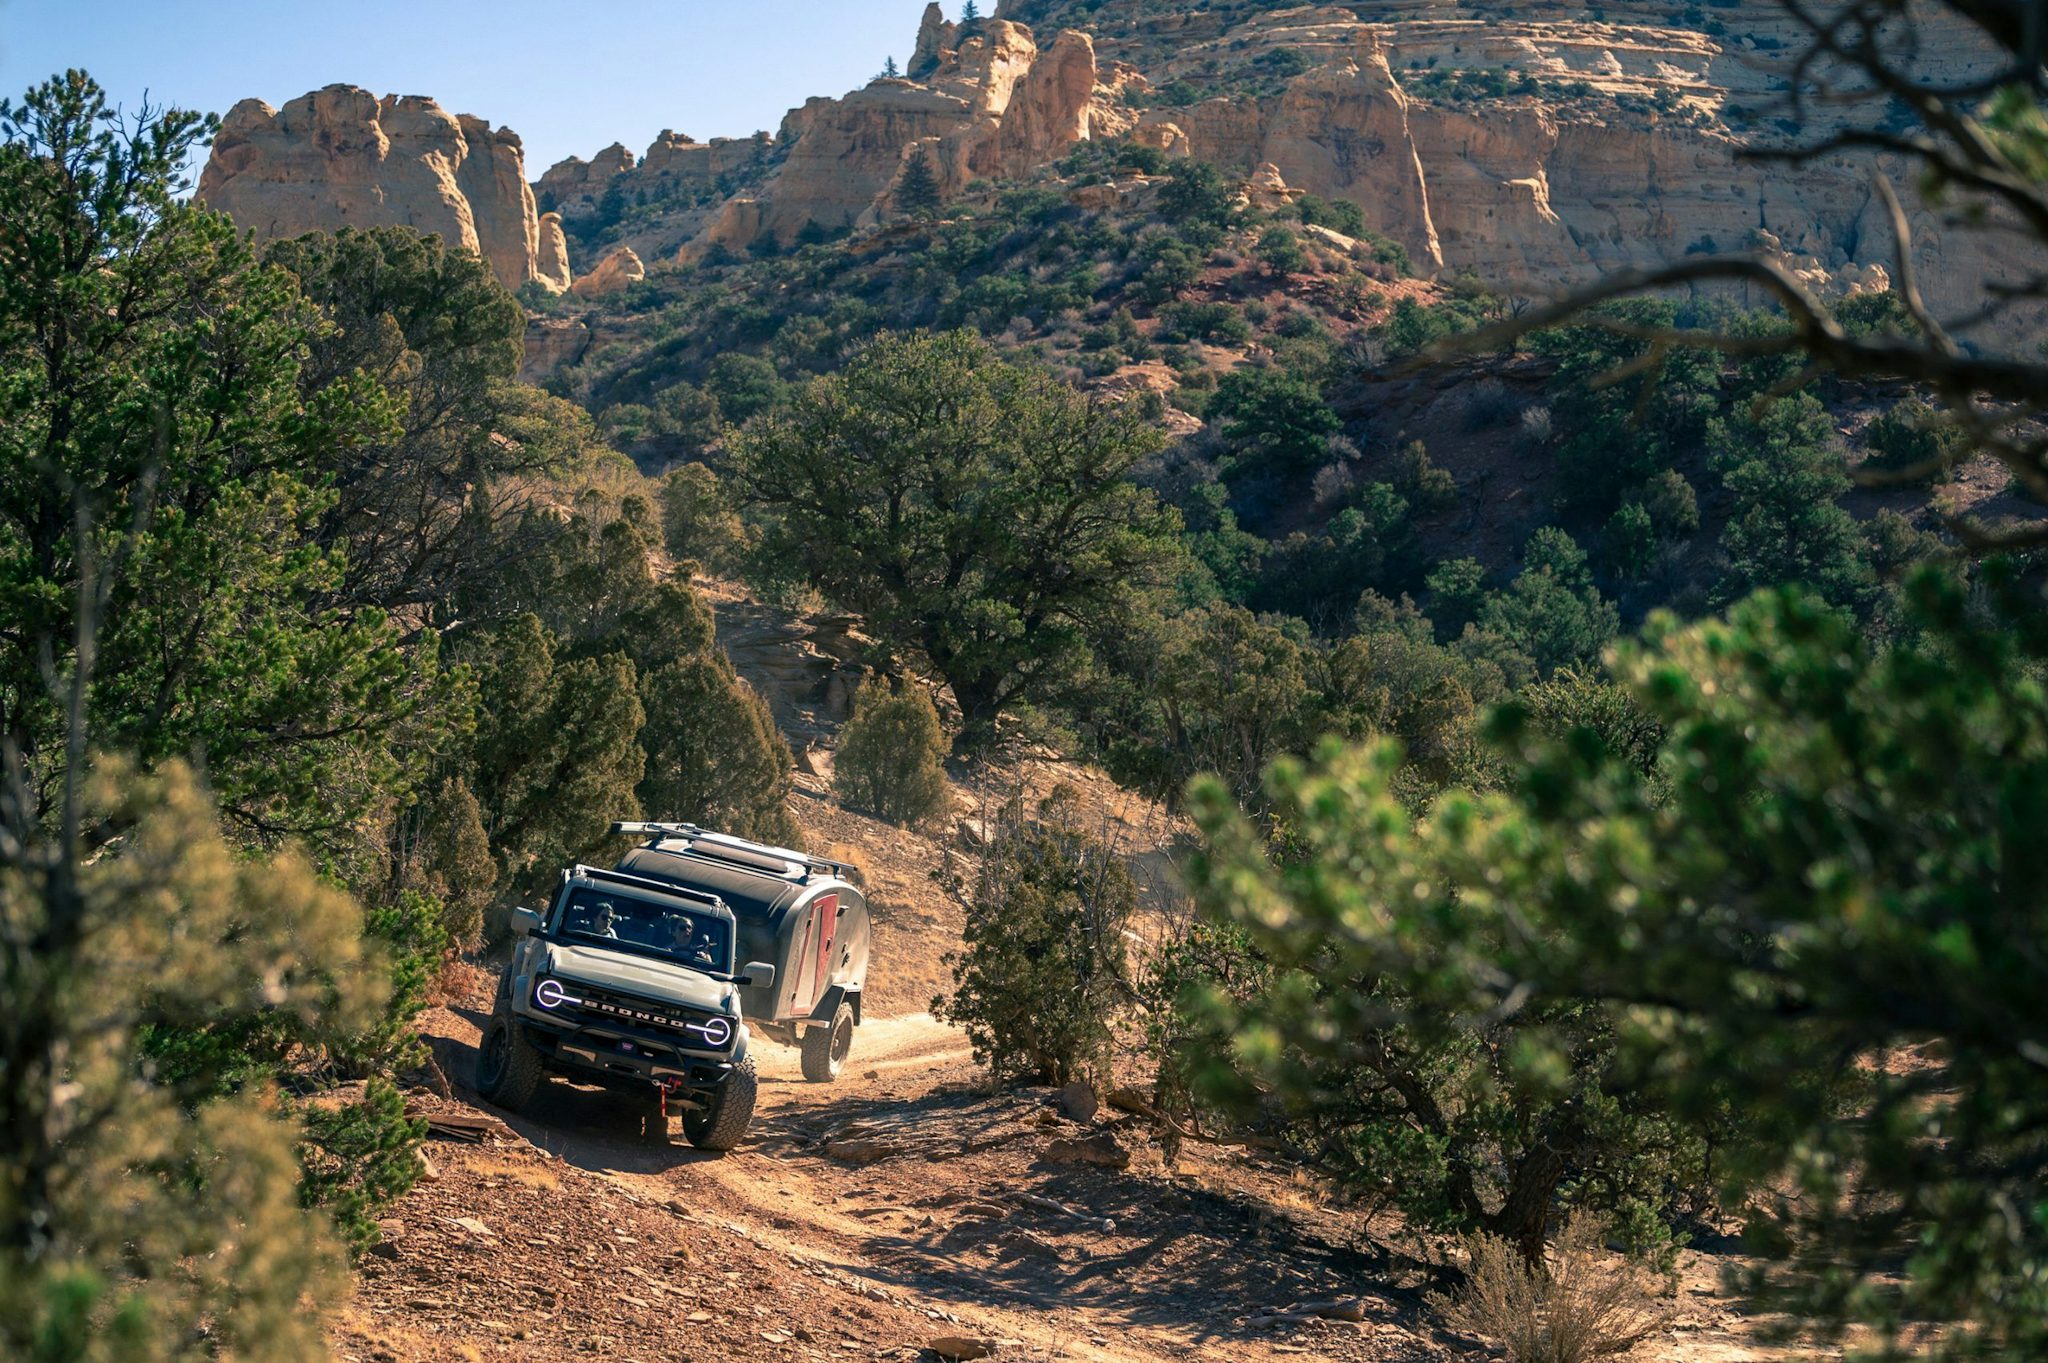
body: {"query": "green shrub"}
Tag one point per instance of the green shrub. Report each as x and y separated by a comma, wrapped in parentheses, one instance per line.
(697, 520)
(1280, 251)
(1630, 542)
(714, 755)
(888, 763)
(1673, 506)
(1457, 591)
(1553, 612)
(1916, 437)
(1042, 973)
(1426, 486)
(1279, 420)
(1216, 323)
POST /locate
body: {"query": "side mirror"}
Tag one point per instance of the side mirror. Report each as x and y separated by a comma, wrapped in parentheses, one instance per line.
(525, 922)
(756, 975)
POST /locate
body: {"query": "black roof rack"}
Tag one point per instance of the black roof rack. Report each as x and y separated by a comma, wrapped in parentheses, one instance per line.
(725, 847)
(651, 885)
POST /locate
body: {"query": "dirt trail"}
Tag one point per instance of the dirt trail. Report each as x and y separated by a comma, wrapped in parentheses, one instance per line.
(861, 1219)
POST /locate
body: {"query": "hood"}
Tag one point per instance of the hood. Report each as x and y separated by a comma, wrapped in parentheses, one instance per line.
(639, 975)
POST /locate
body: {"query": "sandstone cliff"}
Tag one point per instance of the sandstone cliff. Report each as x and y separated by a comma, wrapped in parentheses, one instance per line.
(986, 105)
(1533, 145)
(341, 157)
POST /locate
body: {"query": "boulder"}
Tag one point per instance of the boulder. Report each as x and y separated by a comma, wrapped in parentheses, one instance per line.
(619, 268)
(1102, 1149)
(1078, 1100)
(1267, 189)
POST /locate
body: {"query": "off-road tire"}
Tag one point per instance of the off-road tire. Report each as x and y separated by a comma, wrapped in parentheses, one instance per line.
(722, 1122)
(825, 1048)
(653, 1121)
(508, 1068)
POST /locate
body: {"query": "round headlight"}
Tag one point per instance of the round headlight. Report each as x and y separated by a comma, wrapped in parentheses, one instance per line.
(716, 1031)
(550, 994)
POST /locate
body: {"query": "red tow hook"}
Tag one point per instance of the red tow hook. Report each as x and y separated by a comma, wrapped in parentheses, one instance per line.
(664, 1088)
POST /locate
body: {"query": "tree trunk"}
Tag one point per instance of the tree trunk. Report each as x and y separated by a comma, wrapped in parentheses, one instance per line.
(1525, 1217)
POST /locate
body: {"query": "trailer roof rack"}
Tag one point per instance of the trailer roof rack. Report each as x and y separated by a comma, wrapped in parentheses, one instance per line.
(777, 861)
(651, 885)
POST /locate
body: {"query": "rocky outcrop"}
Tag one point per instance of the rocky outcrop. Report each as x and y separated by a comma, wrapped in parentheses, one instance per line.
(575, 179)
(619, 268)
(739, 222)
(989, 105)
(551, 255)
(936, 40)
(341, 157)
(552, 343)
(1536, 145)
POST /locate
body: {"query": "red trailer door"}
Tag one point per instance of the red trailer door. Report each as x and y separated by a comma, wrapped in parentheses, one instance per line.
(813, 958)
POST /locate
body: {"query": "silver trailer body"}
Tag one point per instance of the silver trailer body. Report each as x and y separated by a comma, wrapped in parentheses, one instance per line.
(806, 916)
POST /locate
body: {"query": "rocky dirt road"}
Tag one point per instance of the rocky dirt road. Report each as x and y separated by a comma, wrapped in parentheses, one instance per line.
(902, 1207)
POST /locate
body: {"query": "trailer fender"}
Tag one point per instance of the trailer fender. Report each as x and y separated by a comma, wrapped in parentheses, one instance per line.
(829, 1004)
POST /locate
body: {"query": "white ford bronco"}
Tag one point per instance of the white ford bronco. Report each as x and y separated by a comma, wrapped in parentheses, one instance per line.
(631, 983)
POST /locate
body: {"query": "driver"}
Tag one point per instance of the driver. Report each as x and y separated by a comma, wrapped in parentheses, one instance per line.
(693, 941)
(601, 924)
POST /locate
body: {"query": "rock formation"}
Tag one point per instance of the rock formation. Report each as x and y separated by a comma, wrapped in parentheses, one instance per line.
(551, 255)
(991, 105)
(1532, 143)
(341, 157)
(620, 267)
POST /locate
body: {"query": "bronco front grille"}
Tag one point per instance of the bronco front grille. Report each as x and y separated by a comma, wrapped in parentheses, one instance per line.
(695, 1028)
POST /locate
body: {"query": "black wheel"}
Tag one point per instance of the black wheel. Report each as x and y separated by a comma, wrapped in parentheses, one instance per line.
(508, 1070)
(653, 1121)
(825, 1048)
(721, 1123)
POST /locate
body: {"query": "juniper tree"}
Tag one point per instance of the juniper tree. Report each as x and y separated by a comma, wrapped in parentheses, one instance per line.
(917, 189)
(971, 510)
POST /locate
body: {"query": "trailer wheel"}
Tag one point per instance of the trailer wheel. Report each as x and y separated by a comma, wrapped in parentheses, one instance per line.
(508, 1069)
(722, 1122)
(825, 1048)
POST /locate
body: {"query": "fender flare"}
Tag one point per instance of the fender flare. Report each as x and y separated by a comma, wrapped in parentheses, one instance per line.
(829, 1004)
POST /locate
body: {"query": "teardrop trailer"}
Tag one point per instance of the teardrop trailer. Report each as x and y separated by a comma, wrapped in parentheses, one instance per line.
(629, 979)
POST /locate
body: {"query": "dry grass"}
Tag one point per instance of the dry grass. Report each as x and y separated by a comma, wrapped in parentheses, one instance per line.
(1585, 1303)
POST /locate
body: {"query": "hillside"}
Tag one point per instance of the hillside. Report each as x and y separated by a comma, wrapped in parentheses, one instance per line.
(1528, 144)
(906, 1205)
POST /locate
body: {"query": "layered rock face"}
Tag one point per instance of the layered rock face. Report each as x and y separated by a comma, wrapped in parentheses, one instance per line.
(986, 104)
(1590, 146)
(341, 157)
(1529, 142)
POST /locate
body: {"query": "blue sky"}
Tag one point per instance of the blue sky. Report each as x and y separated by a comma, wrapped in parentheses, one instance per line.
(568, 78)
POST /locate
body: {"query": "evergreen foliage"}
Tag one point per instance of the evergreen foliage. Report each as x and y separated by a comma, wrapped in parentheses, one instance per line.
(714, 755)
(889, 758)
(1043, 970)
(917, 188)
(967, 508)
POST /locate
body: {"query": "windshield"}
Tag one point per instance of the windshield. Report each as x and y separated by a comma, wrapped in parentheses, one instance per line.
(692, 939)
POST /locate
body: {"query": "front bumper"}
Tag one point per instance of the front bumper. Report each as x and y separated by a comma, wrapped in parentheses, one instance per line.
(628, 1058)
